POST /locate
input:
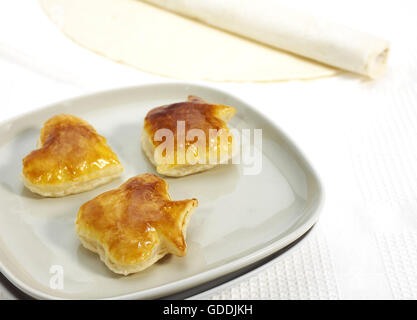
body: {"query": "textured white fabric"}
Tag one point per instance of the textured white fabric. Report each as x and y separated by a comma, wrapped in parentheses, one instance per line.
(359, 135)
(399, 254)
(305, 273)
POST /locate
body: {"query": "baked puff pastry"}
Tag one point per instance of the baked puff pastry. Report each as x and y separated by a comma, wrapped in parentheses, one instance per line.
(188, 137)
(135, 225)
(71, 158)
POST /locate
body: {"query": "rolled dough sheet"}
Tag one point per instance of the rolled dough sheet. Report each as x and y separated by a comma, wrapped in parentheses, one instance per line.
(164, 43)
(282, 27)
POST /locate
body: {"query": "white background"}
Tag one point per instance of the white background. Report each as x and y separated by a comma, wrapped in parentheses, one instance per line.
(361, 136)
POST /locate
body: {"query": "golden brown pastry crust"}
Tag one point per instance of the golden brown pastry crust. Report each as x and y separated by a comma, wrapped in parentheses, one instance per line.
(133, 226)
(72, 157)
(196, 114)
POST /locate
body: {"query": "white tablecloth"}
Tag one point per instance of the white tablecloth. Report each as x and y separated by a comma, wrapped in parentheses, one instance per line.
(361, 136)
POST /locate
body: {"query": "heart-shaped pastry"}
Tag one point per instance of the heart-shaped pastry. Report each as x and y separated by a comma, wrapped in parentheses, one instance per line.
(71, 158)
(135, 225)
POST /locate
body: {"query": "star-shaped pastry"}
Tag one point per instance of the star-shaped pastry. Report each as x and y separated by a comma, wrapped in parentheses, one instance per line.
(135, 225)
(191, 152)
(71, 158)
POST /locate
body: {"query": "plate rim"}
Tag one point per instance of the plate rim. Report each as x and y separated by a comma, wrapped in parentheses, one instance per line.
(208, 275)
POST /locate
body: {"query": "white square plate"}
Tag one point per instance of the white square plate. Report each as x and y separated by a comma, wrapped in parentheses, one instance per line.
(240, 219)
